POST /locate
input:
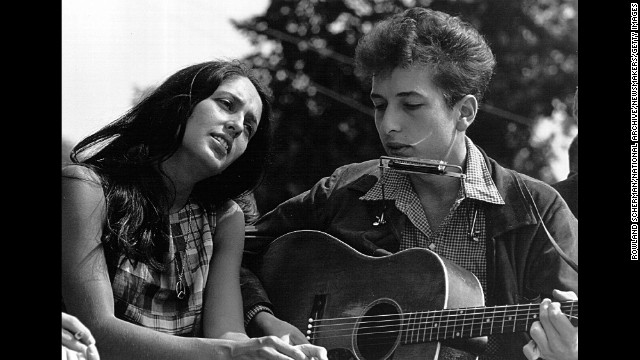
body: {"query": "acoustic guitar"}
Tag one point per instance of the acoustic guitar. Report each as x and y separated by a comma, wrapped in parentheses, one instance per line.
(399, 306)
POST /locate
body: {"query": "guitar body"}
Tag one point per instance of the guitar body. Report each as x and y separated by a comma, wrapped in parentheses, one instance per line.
(310, 274)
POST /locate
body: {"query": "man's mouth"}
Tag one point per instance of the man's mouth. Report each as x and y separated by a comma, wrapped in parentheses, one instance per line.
(397, 149)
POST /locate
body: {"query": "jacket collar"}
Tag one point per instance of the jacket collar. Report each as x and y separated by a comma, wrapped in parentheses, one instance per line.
(515, 213)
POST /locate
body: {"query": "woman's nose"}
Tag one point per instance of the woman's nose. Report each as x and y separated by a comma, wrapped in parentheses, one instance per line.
(234, 125)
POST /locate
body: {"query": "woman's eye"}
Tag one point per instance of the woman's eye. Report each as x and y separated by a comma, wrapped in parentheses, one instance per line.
(226, 103)
(249, 128)
(379, 106)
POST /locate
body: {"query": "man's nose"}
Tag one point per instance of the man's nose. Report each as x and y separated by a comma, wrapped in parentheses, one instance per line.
(389, 121)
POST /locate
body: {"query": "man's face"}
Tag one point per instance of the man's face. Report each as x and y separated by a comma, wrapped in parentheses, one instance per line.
(411, 115)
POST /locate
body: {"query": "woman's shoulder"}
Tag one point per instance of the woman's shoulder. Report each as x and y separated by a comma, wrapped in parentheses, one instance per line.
(81, 183)
(229, 225)
(228, 209)
(80, 172)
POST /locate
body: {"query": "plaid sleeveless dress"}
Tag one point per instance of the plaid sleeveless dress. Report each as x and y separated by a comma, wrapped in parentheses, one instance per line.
(149, 298)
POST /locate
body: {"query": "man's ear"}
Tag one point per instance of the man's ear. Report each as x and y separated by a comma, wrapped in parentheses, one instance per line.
(467, 108)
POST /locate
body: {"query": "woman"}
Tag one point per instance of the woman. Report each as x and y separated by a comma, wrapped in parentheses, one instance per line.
(151, 240)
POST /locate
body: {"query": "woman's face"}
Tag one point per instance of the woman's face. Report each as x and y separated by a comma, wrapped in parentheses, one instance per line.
(220, 127)
(411, 114)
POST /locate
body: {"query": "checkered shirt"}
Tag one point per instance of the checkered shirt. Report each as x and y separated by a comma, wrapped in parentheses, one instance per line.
(147, 297)
(451, 239)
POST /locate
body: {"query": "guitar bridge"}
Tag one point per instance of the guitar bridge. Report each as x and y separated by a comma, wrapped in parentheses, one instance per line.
(317, 312)
(421, 166)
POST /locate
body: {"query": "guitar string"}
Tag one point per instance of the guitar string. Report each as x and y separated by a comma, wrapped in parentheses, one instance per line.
(462, 326)
(416, 326)
(440, 318)
(441, 333)
(465, 326)
(465, 322)
(520, 309)
(445, 318)
(409, 338)
(424, 335)
(414, 332)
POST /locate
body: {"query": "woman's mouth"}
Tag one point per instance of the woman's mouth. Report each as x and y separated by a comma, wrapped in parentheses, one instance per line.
(222, 144)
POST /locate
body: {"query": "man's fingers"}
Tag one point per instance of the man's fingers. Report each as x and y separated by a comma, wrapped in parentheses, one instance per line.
(531, 351)
(554, 335)
(539, 335)
(560, 322)
(564, 295)
(545, 320)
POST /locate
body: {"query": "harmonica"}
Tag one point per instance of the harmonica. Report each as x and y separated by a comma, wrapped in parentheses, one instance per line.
(421, 166)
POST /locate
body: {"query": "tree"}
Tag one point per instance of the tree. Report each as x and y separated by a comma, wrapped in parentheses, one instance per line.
(322, 109)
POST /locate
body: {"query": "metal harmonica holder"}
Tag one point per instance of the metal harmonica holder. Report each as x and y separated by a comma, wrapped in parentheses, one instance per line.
(420, 166)
(414, 166)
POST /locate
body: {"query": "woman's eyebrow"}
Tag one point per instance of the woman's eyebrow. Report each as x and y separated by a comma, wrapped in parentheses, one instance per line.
(234, 96)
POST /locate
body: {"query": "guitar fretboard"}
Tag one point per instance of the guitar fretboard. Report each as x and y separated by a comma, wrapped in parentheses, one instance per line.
(473, 322)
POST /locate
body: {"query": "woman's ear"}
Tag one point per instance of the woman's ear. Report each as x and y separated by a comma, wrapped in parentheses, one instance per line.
(467, 109)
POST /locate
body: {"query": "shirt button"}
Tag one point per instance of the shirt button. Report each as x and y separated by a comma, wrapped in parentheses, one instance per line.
(432, 246)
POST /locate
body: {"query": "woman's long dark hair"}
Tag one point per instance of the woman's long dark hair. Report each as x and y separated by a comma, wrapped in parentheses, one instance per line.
(126, 155)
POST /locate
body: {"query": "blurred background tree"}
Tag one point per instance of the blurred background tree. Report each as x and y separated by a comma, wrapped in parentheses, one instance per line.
(305, 54)
(67, 144)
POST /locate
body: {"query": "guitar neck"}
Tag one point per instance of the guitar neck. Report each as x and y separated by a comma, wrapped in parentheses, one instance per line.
(474, 322)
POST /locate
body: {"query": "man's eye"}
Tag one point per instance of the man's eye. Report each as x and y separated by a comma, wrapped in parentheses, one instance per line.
(379, 106)
(412, 106)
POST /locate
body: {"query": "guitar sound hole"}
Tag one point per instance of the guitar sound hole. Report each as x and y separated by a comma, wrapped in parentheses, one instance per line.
(378, 332)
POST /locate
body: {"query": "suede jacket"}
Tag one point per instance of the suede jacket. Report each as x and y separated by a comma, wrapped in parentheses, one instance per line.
(522, 264)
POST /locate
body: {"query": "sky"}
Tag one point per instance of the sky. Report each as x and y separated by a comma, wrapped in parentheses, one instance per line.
(110, 47)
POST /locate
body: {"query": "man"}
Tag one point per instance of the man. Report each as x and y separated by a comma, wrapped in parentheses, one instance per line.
(428, 72)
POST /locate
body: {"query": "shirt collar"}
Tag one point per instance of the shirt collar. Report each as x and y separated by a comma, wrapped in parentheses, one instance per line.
(478, 183)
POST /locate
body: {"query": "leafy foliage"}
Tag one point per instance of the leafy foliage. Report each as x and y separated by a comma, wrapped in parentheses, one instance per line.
(323, 110)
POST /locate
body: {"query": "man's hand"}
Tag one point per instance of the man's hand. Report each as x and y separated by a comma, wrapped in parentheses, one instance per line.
(554, 337)
(265, 324)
